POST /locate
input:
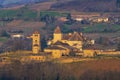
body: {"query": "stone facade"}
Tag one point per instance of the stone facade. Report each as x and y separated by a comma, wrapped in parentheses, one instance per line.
(36, 42)
(67, 44)
(73, 39)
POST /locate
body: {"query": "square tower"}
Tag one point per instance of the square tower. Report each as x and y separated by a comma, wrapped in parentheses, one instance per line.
(36, 42)
(57, 34)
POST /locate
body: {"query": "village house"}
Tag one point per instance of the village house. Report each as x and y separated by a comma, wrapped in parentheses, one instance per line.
(93, 17)
(99, 19)
(17, 35)
(84, 16)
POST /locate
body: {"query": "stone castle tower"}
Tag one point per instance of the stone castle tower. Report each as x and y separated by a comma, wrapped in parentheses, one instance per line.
(57, 35)
(36, 42)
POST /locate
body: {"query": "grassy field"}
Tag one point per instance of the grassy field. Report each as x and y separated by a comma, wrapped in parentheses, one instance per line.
(21, 13)
(8, 13)
(3, 39)
(52, 13)
(102, 27)
(26, 26)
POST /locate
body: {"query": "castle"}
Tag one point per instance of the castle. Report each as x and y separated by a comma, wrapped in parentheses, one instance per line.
(70, 44)
(62, 46)
(67, 44)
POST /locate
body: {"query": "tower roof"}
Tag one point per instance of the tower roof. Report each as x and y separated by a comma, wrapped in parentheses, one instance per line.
(57, 30)
(36, 32)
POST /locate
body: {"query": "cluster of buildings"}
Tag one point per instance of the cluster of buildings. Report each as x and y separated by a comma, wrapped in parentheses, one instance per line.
(91, 17)
(95, 18)
(67, 44)
(62, 45)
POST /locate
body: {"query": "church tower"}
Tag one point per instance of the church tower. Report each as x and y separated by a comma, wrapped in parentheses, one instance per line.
(57, 35)
(35, 42)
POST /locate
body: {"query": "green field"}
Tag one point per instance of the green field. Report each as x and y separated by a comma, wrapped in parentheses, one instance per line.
(8, 13)
(21, 13)
(102, 27)
(3, 39)
(25, 13)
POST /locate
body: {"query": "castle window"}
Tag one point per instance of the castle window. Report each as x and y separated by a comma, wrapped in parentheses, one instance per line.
(35, 40)
(36, 58)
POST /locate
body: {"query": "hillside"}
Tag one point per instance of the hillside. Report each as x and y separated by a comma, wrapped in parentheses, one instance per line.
(104, 69)
(88, 5)
(7, 3)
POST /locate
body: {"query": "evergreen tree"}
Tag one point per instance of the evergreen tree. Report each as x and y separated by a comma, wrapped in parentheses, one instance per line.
(118, 47)
(4, 34)
(118, 3)
(70, 20)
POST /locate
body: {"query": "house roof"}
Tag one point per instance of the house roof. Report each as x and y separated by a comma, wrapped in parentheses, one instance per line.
(68, 47)
(60, 43)
(63, 45)
(73, 37)
(57, 30)
(66, 36)
(55, 47)
(76, 37)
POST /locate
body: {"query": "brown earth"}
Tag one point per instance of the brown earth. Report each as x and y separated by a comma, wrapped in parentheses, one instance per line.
(87, 6)
(41, 6)
(26, 26)
(14, 8)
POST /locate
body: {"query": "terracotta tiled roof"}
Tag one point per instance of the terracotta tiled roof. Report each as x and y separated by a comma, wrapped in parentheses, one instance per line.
(57, 30)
